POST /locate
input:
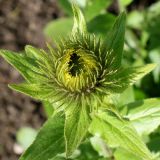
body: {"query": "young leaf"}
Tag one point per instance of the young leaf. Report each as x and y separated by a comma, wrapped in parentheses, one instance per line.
(24, 64)
(36, 91)
(76, 126)
(49, 141)
(118, 82)
(48, 108)
(32, 52)
(144, 115)
(79, 21)
(119, 155)
(119, 133)
(115, 39)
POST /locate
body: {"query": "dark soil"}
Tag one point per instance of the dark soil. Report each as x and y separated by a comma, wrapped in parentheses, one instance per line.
(21, 23)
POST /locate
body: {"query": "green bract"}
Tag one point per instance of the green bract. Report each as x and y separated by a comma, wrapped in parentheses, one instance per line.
(75, 78)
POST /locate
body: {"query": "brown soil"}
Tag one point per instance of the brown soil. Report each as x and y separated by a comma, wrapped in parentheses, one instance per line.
(21, 23)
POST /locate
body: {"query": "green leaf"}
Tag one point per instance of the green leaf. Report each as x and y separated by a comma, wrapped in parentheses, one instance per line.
(118, 82)
(58, 158)
(119, 133)
(79, 21)
(97, 27)
(153, 144)
(37, 91)
(144, 115)
(48, 107)
(101, 147)
(24, 64)
(32, 52)
(55, 29)
(119, 155)
(76, 126)
(49, 141)
(87, 152)
(95, 7)
(121, 99)
(115, 39)
(84, 152)
(44, 92)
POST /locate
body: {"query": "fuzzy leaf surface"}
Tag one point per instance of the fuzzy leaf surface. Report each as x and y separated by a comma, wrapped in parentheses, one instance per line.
(32, 52)
(144, 115)
(76, 126)
(119, 133)
(79, 21)
(36, 91)
(24, 64)
(115, 40)
(118, 82)
(49, 141)
(119, 155)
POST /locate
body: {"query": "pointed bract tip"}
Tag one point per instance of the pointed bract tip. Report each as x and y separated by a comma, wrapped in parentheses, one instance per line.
(79, 20)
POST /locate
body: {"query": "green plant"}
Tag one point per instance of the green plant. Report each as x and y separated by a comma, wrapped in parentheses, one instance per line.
(141, 38)
(81, 79)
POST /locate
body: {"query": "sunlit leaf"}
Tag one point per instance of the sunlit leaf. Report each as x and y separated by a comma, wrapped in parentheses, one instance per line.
(49, 141)
(121, 154)
(76, 126)
(115, 39)
(118, 82)
(37, 91)
(119, 133)
(144, 115)
(79, 21)
(24, 64)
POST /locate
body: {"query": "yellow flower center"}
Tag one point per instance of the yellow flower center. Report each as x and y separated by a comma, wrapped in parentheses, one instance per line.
(78, 70)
